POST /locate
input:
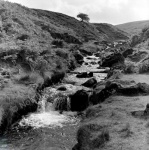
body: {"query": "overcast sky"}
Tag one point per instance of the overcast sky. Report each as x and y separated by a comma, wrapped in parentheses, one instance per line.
(107, 11)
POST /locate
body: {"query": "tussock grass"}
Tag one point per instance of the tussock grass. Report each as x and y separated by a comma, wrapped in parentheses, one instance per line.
(15, 101)
(58, 43)
(92, 111)
(129, 67)
(101, 139)
(126, 131)
(91, 136)
(144, 67)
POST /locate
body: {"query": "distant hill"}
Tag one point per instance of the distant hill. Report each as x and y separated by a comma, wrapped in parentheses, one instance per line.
(111, 32)
(133, 28)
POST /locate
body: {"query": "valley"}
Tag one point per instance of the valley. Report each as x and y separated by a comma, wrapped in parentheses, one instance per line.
(67, 84)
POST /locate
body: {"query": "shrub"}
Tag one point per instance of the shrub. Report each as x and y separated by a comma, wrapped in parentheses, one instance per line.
(23, 37)
(101, 139)
(92, 111)
(144, 67)
(31, 78)
(135, 40)
(83, 17)
(15, 102)
(91, 136)
(63, 53)
(145, 29)
(24, 78)
(58, 43)
(129, 67)
(126, 131)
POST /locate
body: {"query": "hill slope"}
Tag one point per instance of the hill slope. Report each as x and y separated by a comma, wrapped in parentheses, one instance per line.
(45, 25)
(133, 27)
(30, 34)
(141, 41)
(35, 31)
(111, 32)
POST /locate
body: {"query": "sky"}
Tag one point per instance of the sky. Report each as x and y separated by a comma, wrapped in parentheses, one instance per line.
(99, 11)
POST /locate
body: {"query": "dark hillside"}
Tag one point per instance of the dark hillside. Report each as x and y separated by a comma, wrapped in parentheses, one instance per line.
(35, 31)
(141, 41)
(111, 32)
(67, 24)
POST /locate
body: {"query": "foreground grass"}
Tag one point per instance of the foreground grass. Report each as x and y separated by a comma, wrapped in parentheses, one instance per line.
(16, 101)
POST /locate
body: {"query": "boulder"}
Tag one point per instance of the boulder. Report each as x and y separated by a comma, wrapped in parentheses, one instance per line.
(93, 62)
(128, 52)
(114, 74)
(84, 75)
(86, 63)
(90, 74)
(146, 111)
(79, 101)
(97, 54)
(138, 56)
(56, 77)
(104, 89)
(85, 52)
(79, 57)
(62, 88)
(97, 95)
(91, 136)
(90, 83)
(62, 103)
(136, 89)
(111, 59)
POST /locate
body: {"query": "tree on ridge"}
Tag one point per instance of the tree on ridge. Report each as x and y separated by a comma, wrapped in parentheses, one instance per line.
(83, 17)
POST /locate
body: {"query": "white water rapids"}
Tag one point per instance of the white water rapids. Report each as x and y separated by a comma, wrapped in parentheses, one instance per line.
(46, 116)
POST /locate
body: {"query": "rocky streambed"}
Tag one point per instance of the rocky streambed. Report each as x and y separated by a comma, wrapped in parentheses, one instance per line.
(91, 108)
(55, 124)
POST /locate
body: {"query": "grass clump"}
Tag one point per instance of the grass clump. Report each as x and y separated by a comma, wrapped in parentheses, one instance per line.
(91, 136)
(15, 101)
(63, 53)
(126, 131)
(144, 67)
(129, 67)
(58, 43)
(92, 111)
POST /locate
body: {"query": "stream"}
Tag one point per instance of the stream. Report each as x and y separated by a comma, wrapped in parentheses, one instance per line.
(47, 129)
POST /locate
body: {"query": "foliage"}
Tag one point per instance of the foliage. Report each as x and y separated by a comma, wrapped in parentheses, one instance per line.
(58, 43)
(91, 136)
(144, 66)
(83, 17)
(129, 67)
(145, 28)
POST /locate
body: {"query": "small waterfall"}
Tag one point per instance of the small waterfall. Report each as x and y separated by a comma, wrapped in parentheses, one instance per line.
(48, 113)
(62, 103)
(42, 103)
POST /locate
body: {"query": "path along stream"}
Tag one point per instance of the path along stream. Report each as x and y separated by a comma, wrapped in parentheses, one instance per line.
(47, 129)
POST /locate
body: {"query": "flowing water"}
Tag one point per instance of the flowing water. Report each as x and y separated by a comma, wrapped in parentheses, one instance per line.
(45, 129)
